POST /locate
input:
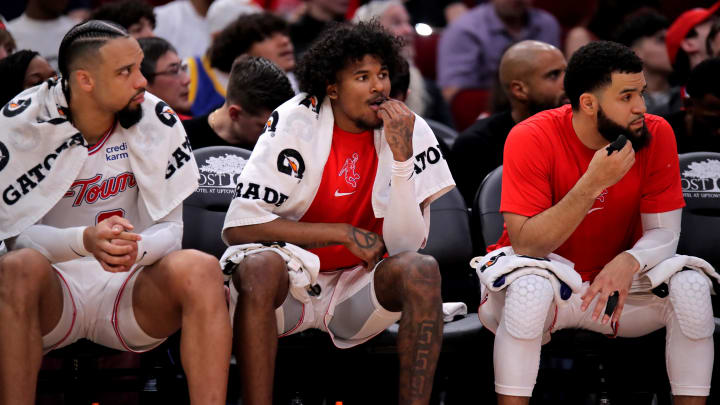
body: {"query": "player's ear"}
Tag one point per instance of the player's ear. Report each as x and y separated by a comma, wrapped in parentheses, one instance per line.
(331, 91)
(234, 111)
(588, 103)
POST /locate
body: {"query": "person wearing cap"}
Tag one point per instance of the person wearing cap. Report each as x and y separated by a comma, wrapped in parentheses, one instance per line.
(685, 40)
(136, 16)
(697, 126)
(22, 70)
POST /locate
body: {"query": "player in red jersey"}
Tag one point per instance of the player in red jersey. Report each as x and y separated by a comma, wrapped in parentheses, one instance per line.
(613, 213)
(346, 173)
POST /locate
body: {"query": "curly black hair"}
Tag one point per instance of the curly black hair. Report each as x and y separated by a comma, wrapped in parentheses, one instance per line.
(345, 43)
(125, 12)
(703, 79)
(592, 66)
(238, 37)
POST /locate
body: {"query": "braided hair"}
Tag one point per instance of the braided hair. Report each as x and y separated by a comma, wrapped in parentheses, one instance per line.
(83, 39)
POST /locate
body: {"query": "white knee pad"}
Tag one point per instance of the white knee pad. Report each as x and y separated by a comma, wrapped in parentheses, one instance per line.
(527, 302)
(690, 297)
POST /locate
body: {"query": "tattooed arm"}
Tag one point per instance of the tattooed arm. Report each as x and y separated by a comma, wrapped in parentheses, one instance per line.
(366, 245)
(404, 228)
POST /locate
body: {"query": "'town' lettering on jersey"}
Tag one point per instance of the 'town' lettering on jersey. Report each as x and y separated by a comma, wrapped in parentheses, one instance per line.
(93, 188)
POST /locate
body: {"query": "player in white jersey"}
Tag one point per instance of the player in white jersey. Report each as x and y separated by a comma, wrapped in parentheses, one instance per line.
(101, 262)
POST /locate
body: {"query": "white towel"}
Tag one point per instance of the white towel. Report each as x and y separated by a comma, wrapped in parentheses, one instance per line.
(41, 154)
(286, 166)
(501, 267)
(662, 272)
(453, 309)
(303, 266)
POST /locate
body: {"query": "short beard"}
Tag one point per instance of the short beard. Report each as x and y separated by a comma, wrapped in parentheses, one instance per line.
(366, 126)
(610, 130)
(128, 116)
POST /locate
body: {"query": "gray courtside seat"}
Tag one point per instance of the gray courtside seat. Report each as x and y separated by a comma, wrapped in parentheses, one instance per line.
(486, 208)
(700, 179)
(204, 210)
(445, 133)
(700, 235)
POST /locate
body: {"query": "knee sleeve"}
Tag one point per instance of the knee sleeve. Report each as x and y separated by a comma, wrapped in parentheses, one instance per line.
(690, 298)
(527, 302)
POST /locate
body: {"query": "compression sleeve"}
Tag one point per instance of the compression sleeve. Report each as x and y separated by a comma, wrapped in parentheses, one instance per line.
(403, 227)
(56, 244)
(161, 239)
(661, 232)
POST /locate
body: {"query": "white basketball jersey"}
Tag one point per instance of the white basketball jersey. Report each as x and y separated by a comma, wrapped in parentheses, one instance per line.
(104, 187)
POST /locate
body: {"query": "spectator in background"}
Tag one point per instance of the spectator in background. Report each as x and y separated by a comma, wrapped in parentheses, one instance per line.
(531, 75)
(41, 28)
(7, 43)
(697, 128)
(470, 48)
(183, 24)
(222, 13)
(166, 74)
(713, 40)
(22, 70)
(262, 34)
(423, 97)
(136, 16)
(686, 40)
(256, 88)
(317, 17)
(645, 34)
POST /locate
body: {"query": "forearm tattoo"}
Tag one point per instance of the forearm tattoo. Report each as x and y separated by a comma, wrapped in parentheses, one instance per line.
(364, 239)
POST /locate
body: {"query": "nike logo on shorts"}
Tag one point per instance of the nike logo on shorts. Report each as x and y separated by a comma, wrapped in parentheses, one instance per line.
(339, 194)
(595, 209)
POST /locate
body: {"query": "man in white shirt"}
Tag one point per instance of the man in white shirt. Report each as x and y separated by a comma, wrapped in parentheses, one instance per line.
(41, 27)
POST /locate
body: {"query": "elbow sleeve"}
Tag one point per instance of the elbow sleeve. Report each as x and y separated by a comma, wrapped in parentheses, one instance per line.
(661, 232)
(403, 227)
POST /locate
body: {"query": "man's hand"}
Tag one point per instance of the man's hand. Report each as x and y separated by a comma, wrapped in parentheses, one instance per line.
(615, 276)
(366, 245)
(604, 170)
(398, 123)
(113, 247)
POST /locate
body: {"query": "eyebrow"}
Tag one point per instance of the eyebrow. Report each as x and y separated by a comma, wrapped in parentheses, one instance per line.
(632, 89)
(120, 69)
(366, 71)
